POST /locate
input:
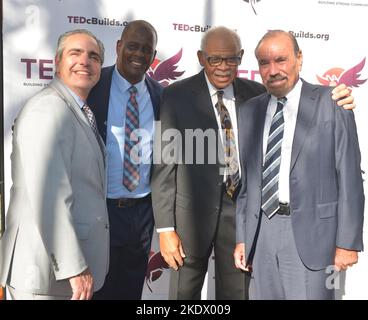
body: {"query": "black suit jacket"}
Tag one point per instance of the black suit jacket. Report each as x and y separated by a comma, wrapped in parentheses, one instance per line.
(99, 96)
(184, 195)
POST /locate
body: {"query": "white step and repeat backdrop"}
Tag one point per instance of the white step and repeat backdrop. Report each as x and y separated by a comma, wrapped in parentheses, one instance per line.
(329, 33)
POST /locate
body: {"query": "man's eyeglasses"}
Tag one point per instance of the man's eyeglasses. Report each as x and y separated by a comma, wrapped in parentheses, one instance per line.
(230, 61)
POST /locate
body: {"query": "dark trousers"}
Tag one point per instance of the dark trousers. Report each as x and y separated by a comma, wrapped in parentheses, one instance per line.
(230, 283)
(130, 242)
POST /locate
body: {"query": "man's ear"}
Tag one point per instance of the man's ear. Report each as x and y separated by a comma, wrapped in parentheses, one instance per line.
(57, 61)
(300, 60)
(201, 58)
(153, 57)
(241, 54)
(117, 47)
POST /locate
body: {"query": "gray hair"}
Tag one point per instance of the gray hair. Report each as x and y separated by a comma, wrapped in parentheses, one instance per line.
(64, 36)
(221, 30)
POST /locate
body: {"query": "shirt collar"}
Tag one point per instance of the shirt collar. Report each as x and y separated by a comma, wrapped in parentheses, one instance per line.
(77, 98)
(124, 84)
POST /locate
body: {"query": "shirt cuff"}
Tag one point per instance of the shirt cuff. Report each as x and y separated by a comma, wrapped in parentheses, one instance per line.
(159, 230)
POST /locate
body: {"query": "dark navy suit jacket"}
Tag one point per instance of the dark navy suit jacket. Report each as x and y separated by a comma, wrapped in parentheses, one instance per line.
(98, 100)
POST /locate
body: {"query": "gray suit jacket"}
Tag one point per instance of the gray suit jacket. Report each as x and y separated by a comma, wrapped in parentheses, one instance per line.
(326, 188)
(57, 223)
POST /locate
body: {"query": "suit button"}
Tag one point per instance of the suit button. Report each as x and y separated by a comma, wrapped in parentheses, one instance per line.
(256, 216)
(106, 226)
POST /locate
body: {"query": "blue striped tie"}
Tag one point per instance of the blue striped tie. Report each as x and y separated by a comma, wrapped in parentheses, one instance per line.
(271, 167)
(131, 148)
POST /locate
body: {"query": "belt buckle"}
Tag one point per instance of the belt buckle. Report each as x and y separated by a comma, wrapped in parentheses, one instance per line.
(284, 209)
(123, 203)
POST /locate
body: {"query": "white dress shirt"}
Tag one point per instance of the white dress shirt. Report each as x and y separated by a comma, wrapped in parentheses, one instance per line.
(229, 101)
(290, 115)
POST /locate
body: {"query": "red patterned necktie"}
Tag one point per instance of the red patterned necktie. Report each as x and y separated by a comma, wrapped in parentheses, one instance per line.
(131, 148)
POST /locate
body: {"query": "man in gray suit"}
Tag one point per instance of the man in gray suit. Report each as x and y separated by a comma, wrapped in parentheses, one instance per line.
(300, 210)
(55, 245)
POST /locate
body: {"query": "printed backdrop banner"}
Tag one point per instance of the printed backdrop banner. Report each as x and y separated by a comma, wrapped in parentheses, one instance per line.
(328, 33)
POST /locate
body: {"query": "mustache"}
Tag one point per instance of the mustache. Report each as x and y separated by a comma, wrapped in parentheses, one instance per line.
(276, 78)
(223, 74)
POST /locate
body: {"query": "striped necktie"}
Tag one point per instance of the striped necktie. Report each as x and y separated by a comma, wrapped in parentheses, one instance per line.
(271, 167)
(92, 122)
(131, 148)
(231, 157)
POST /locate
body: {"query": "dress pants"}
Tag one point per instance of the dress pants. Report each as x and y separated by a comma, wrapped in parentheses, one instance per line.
(131, 231)
(230, 283)
(278, 272)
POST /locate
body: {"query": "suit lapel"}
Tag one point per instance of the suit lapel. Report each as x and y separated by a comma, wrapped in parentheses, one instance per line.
(306, 113)
(203, 102)
(98, 99)
(63, 92)
(258, 126)
(155, 91)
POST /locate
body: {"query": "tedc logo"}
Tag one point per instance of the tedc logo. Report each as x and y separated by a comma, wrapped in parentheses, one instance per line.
(165, 71)
(349, 77)
(252, 3)
(155, 268)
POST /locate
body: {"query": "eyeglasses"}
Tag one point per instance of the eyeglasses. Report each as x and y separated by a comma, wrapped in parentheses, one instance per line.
(230, 61)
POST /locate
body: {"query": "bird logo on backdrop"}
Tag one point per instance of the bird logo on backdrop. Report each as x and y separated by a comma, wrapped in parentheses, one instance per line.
(155, 268)
(252, 3)
(350, 77)
(165, 71)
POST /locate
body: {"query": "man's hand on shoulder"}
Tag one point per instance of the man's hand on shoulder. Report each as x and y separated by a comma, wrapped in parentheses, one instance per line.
(342, 95)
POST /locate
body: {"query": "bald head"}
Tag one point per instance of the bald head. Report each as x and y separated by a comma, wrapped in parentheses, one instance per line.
(277, 33)
(139, 25)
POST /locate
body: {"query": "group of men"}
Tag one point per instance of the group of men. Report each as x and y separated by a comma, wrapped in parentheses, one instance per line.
(282, 188)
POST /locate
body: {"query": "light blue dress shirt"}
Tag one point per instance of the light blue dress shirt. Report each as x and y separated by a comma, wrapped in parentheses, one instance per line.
(115, 139)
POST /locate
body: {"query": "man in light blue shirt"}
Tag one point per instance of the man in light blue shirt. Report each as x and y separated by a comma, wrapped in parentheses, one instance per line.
(126, 104)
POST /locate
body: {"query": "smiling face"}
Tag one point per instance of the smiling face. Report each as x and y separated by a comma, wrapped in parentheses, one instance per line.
(79, 65)
(135, 52)
(279, 64)
(220, 44)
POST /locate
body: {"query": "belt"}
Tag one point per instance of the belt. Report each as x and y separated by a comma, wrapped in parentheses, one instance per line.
(284, 209)
(129, 202)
